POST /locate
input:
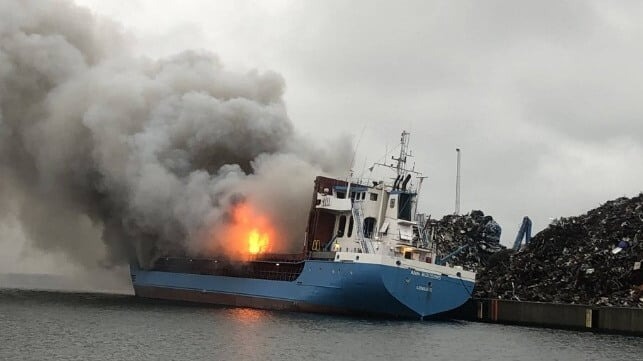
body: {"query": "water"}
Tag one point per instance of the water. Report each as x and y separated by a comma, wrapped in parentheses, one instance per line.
(66, 326)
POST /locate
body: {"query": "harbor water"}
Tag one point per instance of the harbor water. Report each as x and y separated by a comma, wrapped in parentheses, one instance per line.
(75, 326)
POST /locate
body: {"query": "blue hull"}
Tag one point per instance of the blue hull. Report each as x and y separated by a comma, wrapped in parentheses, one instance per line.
(323, 286)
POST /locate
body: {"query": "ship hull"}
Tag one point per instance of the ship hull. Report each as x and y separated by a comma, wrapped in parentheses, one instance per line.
(322, 286)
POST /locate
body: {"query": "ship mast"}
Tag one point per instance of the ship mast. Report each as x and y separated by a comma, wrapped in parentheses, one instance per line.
(400, 166)
(401, 160)
(400, 169)
(457, 184)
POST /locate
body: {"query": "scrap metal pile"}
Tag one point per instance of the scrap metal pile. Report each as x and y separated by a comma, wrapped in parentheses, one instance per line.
(473, 237)
(594, 259)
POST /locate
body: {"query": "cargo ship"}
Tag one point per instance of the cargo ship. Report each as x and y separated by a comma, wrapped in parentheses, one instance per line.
(367, 251)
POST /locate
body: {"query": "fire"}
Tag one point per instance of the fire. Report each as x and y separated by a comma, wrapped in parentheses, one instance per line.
(251, 232)
(257, 242)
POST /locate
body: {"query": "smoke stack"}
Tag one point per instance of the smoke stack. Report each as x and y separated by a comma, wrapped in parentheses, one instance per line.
(397, 181)
(406, 180)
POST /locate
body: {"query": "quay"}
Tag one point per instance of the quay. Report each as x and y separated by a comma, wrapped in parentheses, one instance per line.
(622, 320)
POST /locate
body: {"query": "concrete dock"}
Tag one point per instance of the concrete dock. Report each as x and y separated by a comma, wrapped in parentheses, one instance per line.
(564, 316)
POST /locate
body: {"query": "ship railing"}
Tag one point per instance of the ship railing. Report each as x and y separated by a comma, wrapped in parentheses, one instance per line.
(278, 257)
(278, 276)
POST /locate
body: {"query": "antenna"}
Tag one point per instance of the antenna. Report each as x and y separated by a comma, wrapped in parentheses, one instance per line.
(401, 160)
(457, 183)
(400, 167)
(350, 171)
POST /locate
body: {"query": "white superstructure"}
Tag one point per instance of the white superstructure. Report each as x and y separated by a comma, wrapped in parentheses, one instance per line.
(379, 223)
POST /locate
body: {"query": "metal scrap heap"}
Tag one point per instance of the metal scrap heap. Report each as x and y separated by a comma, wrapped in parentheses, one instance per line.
(473, 237)
(590, 259)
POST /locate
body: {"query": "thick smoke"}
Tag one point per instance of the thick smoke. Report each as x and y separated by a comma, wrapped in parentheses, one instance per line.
(105, 156)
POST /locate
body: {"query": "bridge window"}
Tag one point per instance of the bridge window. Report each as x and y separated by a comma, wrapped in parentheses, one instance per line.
(392, 205)
(373, 196)
(356, 196)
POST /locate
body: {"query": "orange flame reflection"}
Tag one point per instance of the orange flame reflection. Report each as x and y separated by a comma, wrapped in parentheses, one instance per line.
(247, 315)
(251, 232)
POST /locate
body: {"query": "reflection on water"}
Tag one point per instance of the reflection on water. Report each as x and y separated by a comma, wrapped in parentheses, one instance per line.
(51, 326)
(249, 324)
(247, 315)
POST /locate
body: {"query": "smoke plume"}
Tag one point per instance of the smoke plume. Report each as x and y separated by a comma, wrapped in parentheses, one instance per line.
(104, 155)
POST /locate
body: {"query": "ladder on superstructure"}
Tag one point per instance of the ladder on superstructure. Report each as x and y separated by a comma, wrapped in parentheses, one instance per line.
(359, 223)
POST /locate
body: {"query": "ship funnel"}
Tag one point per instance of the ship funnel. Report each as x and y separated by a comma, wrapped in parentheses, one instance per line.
(406, 181)
(397, 181)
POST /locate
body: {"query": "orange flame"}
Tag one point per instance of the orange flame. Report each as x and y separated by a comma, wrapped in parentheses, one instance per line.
(257, 242)
(251, 232)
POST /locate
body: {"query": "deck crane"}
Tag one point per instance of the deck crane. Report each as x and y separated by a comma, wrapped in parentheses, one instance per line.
(523, 232)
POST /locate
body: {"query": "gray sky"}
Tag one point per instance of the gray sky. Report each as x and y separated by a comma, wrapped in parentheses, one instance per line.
(542, 97)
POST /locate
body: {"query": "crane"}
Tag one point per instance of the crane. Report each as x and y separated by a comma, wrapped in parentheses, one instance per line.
(523, 232)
